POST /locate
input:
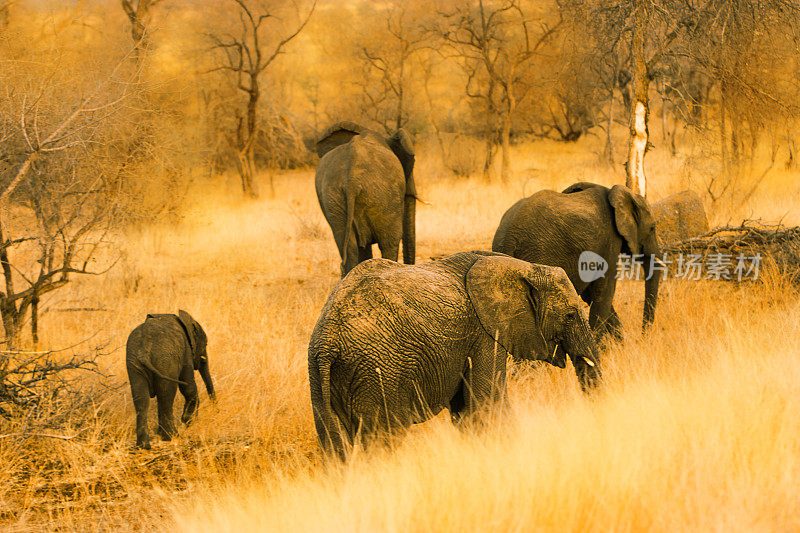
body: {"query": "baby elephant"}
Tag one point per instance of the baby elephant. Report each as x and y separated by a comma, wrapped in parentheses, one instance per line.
(161, 356)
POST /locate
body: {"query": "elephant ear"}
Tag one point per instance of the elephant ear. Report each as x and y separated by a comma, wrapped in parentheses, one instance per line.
(625, 215)
(337, 135)
(400, 144)
(189, 326)
(580, 186)
(508, 302)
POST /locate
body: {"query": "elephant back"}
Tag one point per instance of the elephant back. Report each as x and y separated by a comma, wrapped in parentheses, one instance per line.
(342, 133)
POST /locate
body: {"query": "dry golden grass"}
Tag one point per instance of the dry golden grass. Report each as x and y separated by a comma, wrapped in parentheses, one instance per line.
(697, 425)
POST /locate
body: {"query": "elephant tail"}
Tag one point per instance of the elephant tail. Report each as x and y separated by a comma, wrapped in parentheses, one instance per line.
(348, 228)
(152, 369)
(328, 431)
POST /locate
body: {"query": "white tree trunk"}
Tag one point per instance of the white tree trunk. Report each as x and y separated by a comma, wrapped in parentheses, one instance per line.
(637, 179)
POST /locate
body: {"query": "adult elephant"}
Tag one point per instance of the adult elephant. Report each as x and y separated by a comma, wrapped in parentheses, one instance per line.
(555, 229)
(161, 356)
(365, 186)
(395, 344)
(680, 217)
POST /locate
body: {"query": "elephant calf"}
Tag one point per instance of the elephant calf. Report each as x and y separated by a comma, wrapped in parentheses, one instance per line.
(395, 344)
(161, 356)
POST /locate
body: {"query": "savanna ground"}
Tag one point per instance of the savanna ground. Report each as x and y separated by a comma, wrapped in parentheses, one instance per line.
(696, 427)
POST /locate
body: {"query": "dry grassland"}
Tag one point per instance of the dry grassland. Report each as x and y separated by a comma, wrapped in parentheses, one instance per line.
(697, 426)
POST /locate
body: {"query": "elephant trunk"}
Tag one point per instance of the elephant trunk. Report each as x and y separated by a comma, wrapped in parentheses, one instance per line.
(582, 348)
(205, 373)
(409, 229)
(651, 284)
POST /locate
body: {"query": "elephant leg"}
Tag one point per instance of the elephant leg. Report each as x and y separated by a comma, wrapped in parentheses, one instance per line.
(368, 432)
(351, 259)
(457, 405)
(601, 298)
(382, 412)
(165, 394)
(140, 391)
(390, 249)
(382, 431)
(189, 391)
(364, 253)
(484, 386)
(141, 404)
(614, 325)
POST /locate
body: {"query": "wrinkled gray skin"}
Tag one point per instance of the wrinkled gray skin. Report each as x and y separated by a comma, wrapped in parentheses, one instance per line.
(161, 356)
(365, 186)
(396, 344)
(552, 228)
(680, 217)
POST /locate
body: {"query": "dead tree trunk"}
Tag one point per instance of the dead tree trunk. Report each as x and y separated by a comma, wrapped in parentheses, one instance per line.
(608, 150)
(505, 136)
(139, 14)
(489, 133)
(246, 140)
(636, 178)
(667, 132)
(247, 58)
(8, 309)
(35, 321)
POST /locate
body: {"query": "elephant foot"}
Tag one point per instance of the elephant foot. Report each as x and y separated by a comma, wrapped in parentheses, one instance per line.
(167, 435)
(605, 337)
(188, 419)
(143, 445)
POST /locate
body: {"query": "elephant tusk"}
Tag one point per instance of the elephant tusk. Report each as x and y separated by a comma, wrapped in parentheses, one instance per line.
(588, 361)
(555, 349)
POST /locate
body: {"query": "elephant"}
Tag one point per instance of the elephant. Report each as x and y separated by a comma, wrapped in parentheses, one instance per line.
(161, 356)
(365, 186)
(395, 344)
(586, 220)
(680, 217)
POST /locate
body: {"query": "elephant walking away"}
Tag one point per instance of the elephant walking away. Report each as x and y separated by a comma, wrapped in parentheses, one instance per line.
(161, 356)
(395, 344)
(552, 228)
(365, 186)
(680, 217)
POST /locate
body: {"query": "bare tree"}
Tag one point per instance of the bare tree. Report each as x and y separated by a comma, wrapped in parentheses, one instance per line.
(58, 192)
(569, 99)
(246, 54)
(494, 43)
(388, 45)
(139, 14)
(743, 49)
(38, 383)
(650, 34)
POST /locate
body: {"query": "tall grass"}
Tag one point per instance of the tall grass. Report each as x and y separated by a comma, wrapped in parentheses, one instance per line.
(695, 429)
(696, 426)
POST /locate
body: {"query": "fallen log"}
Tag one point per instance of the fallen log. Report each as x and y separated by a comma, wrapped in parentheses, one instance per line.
(751, 246)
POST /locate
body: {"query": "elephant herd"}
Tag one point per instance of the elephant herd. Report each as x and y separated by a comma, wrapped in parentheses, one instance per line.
(397, 343)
